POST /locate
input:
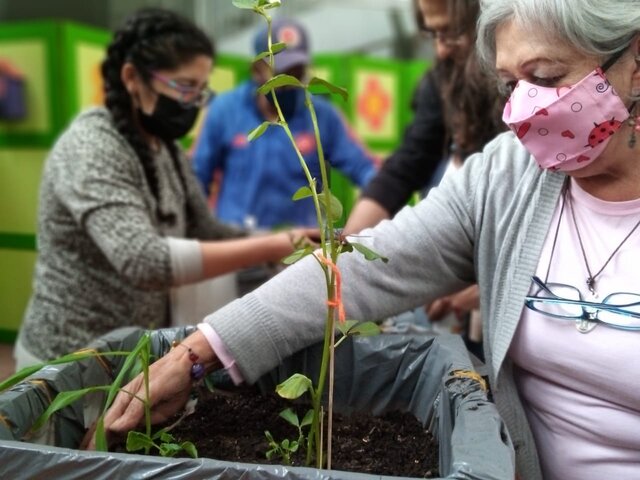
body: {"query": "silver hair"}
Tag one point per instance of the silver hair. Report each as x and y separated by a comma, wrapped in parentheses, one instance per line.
(598, 28)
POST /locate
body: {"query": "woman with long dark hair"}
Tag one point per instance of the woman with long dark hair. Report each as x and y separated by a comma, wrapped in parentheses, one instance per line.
(121, 217)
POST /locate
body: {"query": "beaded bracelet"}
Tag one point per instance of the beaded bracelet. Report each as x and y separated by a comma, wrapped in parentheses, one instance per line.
(197, 369)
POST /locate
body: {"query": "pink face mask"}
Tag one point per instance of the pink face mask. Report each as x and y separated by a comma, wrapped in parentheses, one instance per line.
(565, 128)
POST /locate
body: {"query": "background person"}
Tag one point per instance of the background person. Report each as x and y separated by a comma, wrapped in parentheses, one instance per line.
(259, 178)
(121, 217)
(546, 222)
(458, 110)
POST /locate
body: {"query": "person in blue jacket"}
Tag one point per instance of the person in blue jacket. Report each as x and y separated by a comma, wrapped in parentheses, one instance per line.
(259, 178)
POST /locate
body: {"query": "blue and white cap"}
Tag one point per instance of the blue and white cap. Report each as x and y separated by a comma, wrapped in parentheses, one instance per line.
(292, 33)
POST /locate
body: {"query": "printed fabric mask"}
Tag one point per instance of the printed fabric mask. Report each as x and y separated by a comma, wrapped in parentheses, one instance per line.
(565, 128)
(289, 99)
(170, 119)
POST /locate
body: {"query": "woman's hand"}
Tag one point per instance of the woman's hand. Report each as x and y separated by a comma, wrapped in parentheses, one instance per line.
(299, 237)
(170, 383)
(459, 303)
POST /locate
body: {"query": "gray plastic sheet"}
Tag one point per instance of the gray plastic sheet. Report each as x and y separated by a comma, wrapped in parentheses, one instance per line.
(411, 373)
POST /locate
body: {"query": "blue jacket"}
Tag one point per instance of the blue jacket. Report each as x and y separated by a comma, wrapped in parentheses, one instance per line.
(260, 177)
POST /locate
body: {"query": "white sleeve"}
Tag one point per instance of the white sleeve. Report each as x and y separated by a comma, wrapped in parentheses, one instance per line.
(186, 260)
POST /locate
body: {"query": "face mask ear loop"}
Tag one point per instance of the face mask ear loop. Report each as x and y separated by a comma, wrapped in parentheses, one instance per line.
(634, 124)
(612, 59)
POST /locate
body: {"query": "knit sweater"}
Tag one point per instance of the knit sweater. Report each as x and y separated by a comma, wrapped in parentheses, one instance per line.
(486, 222)
(103, 254)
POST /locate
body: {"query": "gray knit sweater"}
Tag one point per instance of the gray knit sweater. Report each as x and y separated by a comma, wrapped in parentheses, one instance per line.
(488, 221)
(103, 254)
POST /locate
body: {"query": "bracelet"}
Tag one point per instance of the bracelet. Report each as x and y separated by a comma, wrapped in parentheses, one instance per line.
(197, 369)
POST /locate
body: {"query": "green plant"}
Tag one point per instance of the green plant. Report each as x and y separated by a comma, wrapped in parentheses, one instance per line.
(287, 447)
(137, 360)
(332, 244)
(162, 441)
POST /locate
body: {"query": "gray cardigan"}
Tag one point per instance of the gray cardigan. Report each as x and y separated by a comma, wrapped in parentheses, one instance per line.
(488, 221)
(103, 254)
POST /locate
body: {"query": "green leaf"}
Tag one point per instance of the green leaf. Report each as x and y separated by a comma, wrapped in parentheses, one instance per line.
(190, 448)
(368, 253)
(64, 399)
(267, 4)
(322, 86)
(285, 444)
(72, 357)
(282, 80)
(169, 449)
(267, 434)
(138, 441)
(166, 437)
(129, 362)
(275, 48)
(258, 131)
(365, 329)
(336, 206)
(308, 418)
(297, 255)
(293, 448)
(303, 192)
(293, 387)
(278, 47)
(246, 4)
(290, 416)
(346, 327)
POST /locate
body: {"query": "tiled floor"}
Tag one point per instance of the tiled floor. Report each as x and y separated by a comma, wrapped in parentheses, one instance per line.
(6, 360)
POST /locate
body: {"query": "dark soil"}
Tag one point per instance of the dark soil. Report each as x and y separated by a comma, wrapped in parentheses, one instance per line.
(230, 426)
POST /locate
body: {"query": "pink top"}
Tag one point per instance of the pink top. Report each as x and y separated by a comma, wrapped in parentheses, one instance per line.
(221, 352)
(582, 390)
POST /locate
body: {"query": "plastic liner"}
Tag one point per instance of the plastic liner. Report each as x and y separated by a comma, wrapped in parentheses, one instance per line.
(432, 378)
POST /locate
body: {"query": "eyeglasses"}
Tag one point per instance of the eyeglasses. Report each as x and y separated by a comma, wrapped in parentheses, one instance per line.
(618, 310)
(443, 36)
(189, 96)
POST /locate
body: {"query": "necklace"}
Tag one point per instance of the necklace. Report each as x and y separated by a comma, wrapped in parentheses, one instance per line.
(591, 279)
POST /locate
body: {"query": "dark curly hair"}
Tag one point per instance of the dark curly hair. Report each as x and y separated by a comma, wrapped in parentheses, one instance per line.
(151, 39)
(471, 101)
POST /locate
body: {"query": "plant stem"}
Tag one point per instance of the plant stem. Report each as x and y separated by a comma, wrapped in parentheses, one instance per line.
(145, 354)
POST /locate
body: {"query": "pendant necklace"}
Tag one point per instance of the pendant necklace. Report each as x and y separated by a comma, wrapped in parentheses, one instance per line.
(591, 279)
(583, 325)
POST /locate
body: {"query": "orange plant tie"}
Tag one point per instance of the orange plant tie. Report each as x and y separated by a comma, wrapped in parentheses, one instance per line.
(336, 301)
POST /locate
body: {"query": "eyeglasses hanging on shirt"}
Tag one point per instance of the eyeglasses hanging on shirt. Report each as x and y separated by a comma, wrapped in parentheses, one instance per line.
(618, 310)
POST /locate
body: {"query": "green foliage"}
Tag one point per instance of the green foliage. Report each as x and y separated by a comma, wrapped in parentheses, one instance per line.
(297, 255)
(286, 448)
(294, 387)
(329, 210)
(319, 85)
(258, 131)
(368, 253)
(64, 399)
(275, 48)
(282, 80)
(162, 441)
(256, 5)
(333, 202)
(363, 329)
(72, 357)
(136, 361)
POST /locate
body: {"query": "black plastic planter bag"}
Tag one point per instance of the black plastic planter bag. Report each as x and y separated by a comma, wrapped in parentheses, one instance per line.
(427, 376)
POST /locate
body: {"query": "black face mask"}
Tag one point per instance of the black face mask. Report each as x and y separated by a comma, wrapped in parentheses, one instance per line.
(289, 99)
(170, 119)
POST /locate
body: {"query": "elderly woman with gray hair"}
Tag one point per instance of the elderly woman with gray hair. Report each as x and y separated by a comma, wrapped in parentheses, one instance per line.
(546, 218)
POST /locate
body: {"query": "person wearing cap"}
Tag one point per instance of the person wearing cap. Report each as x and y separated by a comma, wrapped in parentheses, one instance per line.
(259, 178)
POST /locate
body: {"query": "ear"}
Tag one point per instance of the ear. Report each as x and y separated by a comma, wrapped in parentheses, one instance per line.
(130, 78)
(635, 79)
